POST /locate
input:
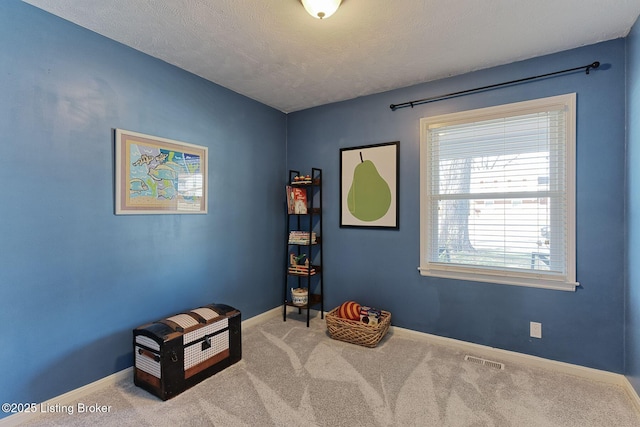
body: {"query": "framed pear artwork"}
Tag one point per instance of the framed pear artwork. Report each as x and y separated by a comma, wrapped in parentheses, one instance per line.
(369, 186)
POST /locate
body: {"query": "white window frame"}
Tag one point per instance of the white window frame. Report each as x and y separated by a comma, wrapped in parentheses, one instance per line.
(428, 217)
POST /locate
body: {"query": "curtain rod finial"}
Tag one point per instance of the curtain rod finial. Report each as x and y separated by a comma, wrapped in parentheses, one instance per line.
(593, 65)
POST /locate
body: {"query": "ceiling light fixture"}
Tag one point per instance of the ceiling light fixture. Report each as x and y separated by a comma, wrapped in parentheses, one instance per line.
(321, 8)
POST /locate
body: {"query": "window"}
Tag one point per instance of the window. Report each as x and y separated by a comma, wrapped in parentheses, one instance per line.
(497, 190)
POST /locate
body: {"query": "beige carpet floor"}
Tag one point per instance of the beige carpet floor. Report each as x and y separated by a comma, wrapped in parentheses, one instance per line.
(291, 375)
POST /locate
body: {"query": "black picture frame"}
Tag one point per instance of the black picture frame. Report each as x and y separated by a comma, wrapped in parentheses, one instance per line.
(375, 169)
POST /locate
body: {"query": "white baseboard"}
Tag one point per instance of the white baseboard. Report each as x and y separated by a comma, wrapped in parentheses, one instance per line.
(68, 398)
(262, 317)
(477, 349)
(277, 311)
(500, 355)
(633, 395)
(77, 394)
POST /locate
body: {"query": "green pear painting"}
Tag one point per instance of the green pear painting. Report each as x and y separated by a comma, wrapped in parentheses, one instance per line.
(369, 185)
(369, 197)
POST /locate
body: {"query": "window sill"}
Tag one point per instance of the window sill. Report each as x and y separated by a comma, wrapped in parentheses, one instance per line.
(504, 278)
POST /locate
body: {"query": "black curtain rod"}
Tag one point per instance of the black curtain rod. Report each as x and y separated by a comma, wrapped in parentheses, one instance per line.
(411, 104)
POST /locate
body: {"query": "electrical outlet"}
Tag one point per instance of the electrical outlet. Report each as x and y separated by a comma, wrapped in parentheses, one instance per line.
(535, 329)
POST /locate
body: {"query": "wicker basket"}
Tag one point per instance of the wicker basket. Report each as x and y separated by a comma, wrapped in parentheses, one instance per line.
(356, 332)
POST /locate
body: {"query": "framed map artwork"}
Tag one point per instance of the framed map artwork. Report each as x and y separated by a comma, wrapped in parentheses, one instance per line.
(159, 176)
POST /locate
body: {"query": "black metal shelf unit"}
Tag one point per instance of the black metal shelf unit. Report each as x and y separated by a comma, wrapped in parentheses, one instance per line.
(310, 276)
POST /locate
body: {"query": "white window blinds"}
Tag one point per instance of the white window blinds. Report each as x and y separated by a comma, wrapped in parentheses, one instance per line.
(497, 199)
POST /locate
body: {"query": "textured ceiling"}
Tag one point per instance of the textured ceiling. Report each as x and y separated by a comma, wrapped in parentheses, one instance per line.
(274, 52)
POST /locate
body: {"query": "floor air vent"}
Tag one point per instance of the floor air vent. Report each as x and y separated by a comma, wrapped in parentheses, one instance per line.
(484, 362)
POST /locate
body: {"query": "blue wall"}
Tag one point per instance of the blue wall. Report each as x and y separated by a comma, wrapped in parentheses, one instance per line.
(75, 278)
(379, 267)
(632, 342)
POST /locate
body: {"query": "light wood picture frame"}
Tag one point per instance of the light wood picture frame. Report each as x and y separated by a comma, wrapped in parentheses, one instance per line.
(155, 175)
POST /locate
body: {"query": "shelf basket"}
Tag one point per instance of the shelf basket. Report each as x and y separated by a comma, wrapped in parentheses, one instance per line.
(356, 332)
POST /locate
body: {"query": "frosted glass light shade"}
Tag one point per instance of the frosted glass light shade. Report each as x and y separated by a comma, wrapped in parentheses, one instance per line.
(321, 8)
